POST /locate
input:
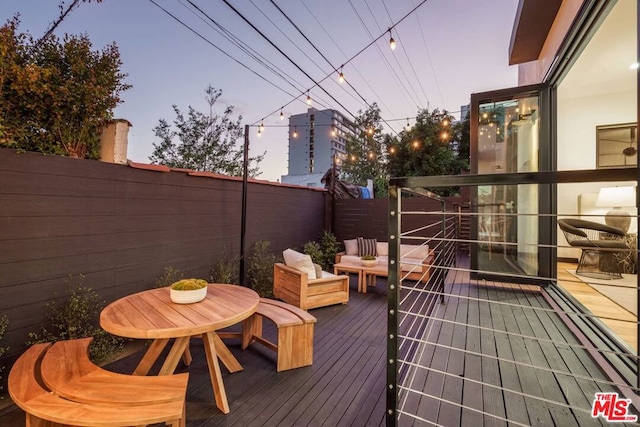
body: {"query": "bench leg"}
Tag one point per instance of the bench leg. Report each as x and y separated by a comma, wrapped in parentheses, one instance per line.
(251, 327)
(295, 346)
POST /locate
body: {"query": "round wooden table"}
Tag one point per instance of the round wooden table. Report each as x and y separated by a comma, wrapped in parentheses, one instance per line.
(152, 315)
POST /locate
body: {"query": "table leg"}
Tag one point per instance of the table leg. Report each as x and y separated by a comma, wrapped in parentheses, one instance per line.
(150, 356)
(175, 354)
(225, 355)
(209, 340)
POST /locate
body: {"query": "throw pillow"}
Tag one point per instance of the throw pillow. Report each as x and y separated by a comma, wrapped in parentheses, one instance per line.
(299, 261)
(318, 270)
(351, 247)
(367, 247)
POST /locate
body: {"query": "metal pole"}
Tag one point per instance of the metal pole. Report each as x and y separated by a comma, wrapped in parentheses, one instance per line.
(243, 226)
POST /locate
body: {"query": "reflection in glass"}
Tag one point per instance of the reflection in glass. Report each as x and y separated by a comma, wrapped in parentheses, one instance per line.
(507, 221)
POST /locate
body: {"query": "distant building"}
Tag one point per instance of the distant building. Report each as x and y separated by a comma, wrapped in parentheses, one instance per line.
(315, 139)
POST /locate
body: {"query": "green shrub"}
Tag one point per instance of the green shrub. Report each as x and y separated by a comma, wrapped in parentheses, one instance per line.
(226, 269)
(260, 264)
(76, 316)
(324, 251)
(169, 276)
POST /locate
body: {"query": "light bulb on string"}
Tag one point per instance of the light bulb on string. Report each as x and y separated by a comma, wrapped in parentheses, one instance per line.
(445, 135)
(308, 98)
(341, 76)
(370, 155)
(333, 131)
(370, 131)
(445, 122)
(259, 132)
(295, 132)
(281, 115)
(392, 150)
(408, 127)
(261, 129)
(392, 42)
(416, 144)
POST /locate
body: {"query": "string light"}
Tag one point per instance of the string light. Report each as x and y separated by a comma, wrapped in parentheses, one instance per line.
(392, 150)
(445, 135)
(341, 76)
(261, 129)
(259, 132)
(392, 42)
(308, 98)
(370, 131)
(281, 115)
(295, 132)
(333, 131)
(445, 122)
(353, 158)
(416, 144)
(408, 127)
(370, 155)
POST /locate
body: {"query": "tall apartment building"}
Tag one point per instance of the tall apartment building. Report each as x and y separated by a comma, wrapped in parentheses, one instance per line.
(316, 138)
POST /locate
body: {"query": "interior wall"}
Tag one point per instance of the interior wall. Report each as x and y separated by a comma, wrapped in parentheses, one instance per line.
(600, 89)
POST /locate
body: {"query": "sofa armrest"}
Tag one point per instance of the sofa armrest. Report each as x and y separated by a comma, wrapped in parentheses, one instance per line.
(339, 256)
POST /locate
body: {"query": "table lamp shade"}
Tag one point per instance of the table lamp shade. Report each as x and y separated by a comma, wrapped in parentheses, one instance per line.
(616, 197)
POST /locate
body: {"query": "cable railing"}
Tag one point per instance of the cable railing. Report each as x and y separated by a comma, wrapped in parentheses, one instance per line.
(505, 328)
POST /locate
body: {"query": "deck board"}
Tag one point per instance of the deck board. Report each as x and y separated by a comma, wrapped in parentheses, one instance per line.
(346, 385)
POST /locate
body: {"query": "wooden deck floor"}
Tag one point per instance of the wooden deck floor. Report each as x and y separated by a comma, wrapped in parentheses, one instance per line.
(471, 379)
(346, 384)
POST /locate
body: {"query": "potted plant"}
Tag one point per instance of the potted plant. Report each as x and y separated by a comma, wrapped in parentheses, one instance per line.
(187, 291)
(368, 260)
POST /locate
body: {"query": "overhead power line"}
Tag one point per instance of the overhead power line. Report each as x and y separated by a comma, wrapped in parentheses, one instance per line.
(335, 69)
(402, 45)
(219, 49)
(337, 45)
(287, 56)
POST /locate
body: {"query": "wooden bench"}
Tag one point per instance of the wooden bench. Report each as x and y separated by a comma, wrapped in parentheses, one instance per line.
(57, 385)
(295, 333)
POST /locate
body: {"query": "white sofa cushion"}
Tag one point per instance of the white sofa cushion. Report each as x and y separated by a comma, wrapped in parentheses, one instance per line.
(299, 261)
(382, 248)
(351, 247)
(414, 251)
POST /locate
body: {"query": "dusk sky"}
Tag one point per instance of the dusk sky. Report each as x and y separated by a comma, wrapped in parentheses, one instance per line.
(446, 50)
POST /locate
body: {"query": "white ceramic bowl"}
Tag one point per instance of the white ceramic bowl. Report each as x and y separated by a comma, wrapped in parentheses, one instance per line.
(369, 262)
(188, 297)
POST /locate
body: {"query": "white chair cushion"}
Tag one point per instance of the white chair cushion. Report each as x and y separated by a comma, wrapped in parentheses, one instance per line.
(299, 261)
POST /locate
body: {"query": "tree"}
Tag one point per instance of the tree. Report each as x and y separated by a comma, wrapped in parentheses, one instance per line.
(203, 141)
(425, 149)
(55, 96)
(365, 157)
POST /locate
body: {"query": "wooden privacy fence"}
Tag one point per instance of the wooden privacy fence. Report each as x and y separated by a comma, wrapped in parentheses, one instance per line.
(120, 226)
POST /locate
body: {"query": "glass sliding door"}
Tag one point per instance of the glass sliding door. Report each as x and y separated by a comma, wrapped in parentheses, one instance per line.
(505, 138)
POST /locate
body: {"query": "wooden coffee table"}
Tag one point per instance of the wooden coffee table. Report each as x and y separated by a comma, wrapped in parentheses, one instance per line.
(348, 267)
(366, 275)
